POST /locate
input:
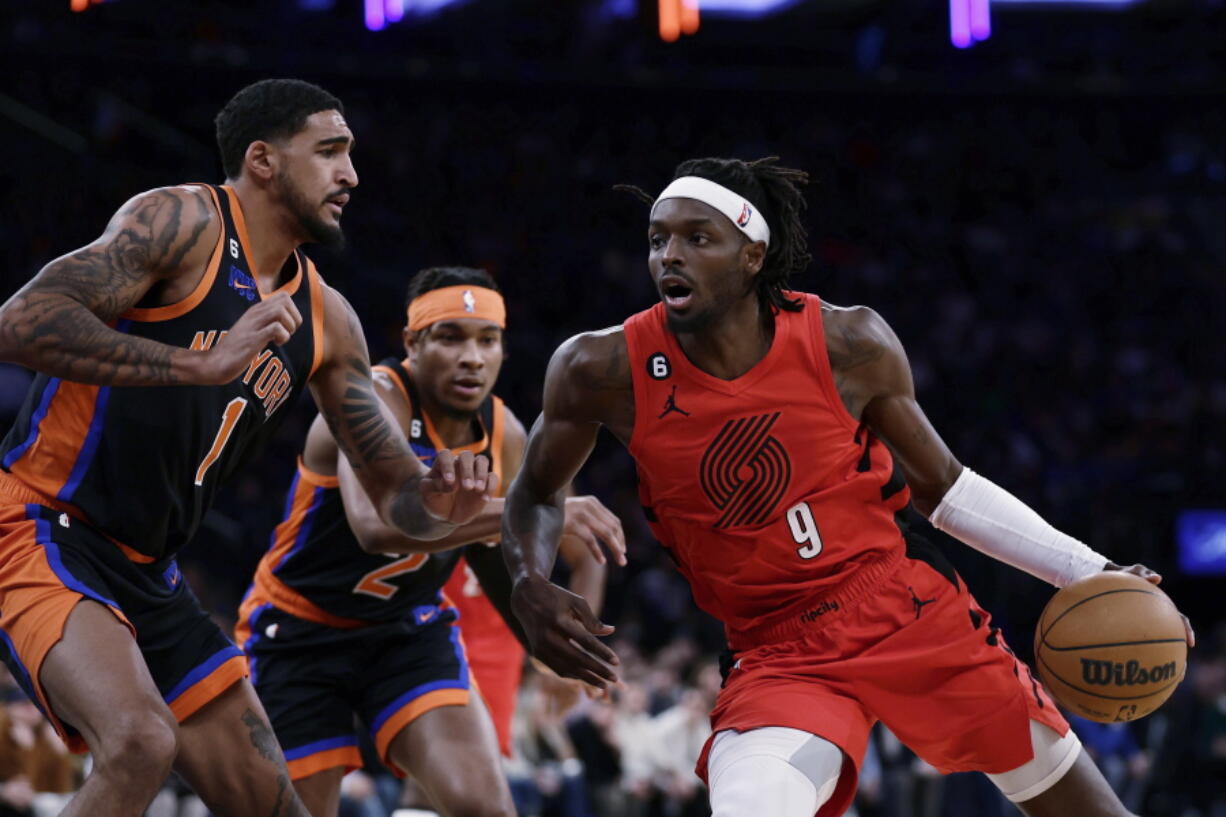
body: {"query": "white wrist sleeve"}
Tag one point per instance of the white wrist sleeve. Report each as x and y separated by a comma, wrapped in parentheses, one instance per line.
(993, 521)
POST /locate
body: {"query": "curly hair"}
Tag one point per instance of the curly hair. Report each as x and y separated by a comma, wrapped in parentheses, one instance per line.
(267, 110)
(776, 192)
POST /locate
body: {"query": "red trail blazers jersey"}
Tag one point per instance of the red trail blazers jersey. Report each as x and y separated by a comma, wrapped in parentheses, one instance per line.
(142, 464)
(764, 489)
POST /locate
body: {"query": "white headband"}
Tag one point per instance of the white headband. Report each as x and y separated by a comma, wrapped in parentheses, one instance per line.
(733, 205)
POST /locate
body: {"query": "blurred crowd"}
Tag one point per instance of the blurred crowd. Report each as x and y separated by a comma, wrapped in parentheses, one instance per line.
(1050, 260)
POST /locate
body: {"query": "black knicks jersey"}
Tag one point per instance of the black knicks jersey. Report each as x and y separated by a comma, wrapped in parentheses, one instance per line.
(315, 568)
(142, 464)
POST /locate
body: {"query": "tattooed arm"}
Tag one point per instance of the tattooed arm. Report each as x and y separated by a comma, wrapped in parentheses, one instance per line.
(422, 503)
(873, 377)
(61, 322)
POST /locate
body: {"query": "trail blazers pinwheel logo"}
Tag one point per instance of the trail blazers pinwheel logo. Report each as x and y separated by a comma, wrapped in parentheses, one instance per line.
(745, 471)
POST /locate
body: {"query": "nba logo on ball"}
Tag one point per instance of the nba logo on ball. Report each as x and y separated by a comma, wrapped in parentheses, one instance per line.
(746, 215)
(1111, 647)
(470, 301)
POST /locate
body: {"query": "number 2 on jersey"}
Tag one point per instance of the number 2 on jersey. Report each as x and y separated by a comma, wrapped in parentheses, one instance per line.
(229, 419)
(375, 583)
(804, 530)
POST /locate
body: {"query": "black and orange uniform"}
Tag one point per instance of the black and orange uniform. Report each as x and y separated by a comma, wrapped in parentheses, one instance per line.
(785, 515)
(331, 630)
(102, 485)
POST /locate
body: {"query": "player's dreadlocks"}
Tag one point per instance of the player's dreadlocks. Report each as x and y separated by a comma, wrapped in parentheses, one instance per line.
(775, 191)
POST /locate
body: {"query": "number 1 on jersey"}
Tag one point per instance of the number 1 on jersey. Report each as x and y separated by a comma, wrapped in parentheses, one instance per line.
(804, 530)
(229, 419)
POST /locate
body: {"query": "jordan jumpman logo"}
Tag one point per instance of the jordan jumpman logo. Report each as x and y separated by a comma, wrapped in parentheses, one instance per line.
(671, 405)
(918, 602)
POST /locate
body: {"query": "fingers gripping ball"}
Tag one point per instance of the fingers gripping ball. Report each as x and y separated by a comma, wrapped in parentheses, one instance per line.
(1111, 647)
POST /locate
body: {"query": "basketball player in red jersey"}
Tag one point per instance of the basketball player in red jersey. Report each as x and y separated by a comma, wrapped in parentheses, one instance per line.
(166, 351)
(346, 615)
(778, 441)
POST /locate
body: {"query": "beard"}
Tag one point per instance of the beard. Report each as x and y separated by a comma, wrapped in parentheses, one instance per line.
(306, 214)
(689, 324)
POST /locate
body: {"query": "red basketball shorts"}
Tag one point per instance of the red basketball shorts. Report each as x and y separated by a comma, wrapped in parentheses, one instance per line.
(914, 651)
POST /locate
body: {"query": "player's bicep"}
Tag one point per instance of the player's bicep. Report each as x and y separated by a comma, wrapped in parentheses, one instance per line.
(147, 240)
(894, 415)
(155, 236)
(556, 450)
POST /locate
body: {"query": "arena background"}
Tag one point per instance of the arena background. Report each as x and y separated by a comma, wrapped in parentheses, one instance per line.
(1039, 216)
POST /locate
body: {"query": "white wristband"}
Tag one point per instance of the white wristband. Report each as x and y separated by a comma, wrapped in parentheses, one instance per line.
(993, 521)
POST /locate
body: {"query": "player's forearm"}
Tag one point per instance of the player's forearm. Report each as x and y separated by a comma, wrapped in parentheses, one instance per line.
(587, 580)
(376, 537)
(52, 333)
(531, 530)
(491, 571)
(993, 521)
(405, 511)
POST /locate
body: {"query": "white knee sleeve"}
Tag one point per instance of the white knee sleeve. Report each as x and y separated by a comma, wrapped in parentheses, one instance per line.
(1053, 757)
(773, 771)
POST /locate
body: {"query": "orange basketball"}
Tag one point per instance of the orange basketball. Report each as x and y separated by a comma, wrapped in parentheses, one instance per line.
(1110, 647)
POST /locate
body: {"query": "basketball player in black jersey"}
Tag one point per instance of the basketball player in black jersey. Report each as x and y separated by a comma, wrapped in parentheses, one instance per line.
(165, 352)
(346, 615)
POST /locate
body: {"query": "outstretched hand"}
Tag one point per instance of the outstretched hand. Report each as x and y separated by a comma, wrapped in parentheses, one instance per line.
(562, 631)
(456, 487)
(592, 523)
(1155, 579)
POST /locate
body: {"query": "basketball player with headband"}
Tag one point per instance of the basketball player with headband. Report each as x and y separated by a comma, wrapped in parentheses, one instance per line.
(347, 616)
(779, 444)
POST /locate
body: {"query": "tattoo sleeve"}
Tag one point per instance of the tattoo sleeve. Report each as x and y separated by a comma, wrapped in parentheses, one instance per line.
(369, 437)
(57, 323)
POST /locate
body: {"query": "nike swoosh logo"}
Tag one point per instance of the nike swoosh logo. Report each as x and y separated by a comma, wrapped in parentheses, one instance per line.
(237, 285)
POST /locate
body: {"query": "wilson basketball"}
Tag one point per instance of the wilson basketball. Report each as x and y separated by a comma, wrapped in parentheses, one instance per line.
(1110, 647)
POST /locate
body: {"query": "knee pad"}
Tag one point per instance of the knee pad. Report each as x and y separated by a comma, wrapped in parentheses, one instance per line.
(1053, 757)
(773, 770)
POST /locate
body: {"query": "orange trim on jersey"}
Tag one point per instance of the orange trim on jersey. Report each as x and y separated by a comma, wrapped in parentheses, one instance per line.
(48, 463)
(193, 299)
(286, 598)
(133, 555)
(347, 757)
(315, 478)
(240, 223)
(285, 535)
(410, 712)
(317, 314)
(191, 700)
(15, 489)
(497, 433)
(408, 402)
(475, 447)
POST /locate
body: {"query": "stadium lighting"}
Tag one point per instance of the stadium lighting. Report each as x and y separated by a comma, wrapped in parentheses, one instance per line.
(970, 21)
(746, 8)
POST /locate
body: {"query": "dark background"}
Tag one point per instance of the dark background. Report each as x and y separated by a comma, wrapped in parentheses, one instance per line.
(1040, 217)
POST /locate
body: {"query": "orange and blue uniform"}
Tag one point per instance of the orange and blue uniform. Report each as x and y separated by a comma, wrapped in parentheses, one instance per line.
(331, 630)
(100, 486)
(787, 517)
